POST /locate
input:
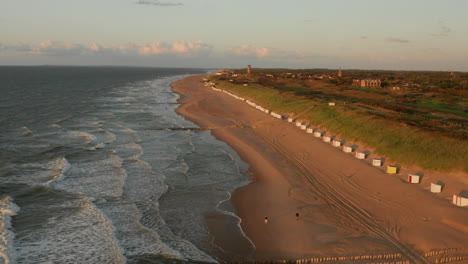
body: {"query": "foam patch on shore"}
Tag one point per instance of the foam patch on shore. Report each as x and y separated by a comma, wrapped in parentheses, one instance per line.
(7, 210)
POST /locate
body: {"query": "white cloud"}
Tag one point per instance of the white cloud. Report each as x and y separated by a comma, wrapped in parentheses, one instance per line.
(443, 31)
(179, 47)
(59, 48)
(263, 52)
(157, 3)
(397, 40)
(55, 48)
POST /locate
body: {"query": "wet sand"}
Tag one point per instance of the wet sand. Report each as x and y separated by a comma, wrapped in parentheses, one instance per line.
(345, 206)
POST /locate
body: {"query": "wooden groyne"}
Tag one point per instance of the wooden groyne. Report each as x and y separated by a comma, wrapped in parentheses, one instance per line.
(436, 252)
(394, 258)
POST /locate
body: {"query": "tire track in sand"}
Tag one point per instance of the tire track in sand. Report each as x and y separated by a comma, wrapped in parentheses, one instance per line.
(338, 202)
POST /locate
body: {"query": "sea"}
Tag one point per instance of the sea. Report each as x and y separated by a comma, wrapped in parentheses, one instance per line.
(97, 167)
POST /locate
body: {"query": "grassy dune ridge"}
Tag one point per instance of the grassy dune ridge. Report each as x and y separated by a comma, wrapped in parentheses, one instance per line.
(399, 142)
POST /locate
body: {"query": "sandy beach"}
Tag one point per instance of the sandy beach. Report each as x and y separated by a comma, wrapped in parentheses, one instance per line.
(346, 207)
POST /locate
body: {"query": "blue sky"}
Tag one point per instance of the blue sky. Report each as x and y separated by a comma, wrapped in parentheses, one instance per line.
(365, 34)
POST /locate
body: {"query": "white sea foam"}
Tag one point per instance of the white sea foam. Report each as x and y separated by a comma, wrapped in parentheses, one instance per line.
(37, 173)
(75, 137)
(133, 237)
(128, 150)
(61, 166)
(76, 232)
(7, 210)
(96, 178)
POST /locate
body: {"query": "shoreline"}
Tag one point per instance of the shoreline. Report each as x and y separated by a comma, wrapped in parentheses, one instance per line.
(345, 205)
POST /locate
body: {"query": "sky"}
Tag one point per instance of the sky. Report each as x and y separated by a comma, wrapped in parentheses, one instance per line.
(352, 34)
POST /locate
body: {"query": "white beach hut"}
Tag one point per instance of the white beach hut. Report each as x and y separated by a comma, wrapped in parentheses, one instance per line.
(303, 127)
(327, 139)
(436, 187)
(413, 178)
(273, 114)
(336, 143)
(459, 200)
(310, 130)
(360, 155)
(347, 149)
(377, 162)
(331, 104)
(290, 119)
(298, 123)
(317, 134)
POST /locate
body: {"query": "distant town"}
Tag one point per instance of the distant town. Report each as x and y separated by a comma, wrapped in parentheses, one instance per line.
(394, 80)
(435, 101)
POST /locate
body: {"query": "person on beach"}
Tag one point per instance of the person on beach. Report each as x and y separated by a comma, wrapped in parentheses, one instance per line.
(297, 216)
(266, 220)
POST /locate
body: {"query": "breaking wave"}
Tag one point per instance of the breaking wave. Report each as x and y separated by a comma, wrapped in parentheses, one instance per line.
(7, 210)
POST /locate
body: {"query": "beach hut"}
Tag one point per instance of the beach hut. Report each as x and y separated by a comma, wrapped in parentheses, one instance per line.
(273, 114)
(317, 134)
(347, 149)
(376, 162)
(360, 155)
(290, 119)
(303, 127)
(336, 143)
(413, 178)
(392, 169)
(331, 104)
(298, 123)
(327, 139)
(310, 130)
(436, 187)
(459, 200)
(267, 111)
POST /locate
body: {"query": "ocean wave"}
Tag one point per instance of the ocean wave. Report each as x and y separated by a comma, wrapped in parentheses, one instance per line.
(7, 210)
(128, 150)
(142, 183)
(75, 137)
(35, 173)
(68, 231)
(60, 166)
(102, 138)
(98, 178)
(56, 126)
(152, 219)
(134, 238)
(124, 134)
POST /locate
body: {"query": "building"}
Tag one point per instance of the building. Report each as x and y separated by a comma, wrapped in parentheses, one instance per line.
(249, 69)
(368, 83)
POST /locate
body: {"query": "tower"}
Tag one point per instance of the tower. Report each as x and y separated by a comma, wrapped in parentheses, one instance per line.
(340, 74)
(249, 69)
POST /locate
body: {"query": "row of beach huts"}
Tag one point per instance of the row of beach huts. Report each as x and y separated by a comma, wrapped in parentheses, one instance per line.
(436, 187)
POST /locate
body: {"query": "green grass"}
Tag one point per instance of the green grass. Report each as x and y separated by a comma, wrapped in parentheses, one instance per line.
(443, 108)
(403, 144)
(291, 89)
